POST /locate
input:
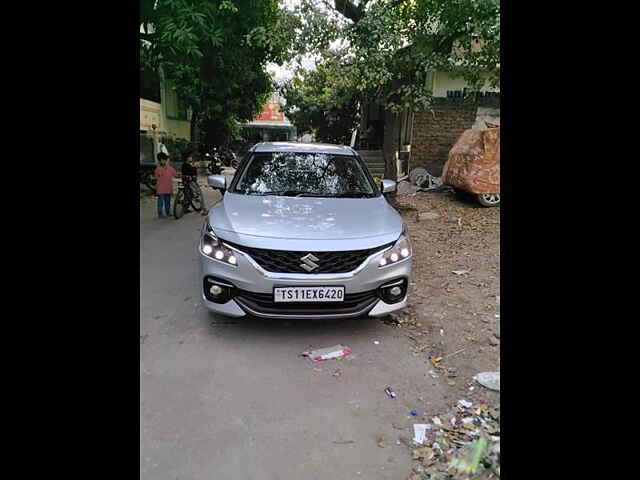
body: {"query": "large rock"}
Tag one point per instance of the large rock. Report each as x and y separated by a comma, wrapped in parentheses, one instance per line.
(474, 162)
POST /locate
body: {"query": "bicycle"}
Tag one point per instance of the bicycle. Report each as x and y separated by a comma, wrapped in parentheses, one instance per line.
(186, 197)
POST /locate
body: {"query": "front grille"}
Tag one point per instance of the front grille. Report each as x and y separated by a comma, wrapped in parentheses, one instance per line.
(263, 303)
(284, 261)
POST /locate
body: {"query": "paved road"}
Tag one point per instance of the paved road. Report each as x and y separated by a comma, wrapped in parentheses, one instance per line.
(235, 401)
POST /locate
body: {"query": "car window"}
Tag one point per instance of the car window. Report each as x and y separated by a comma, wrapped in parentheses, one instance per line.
(305, 174)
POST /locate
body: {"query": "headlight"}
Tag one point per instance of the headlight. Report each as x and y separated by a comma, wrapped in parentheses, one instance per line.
(400, 251)
(212, 247)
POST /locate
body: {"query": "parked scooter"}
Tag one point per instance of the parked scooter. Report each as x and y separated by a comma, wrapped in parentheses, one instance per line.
(214, 165)
(229, 158)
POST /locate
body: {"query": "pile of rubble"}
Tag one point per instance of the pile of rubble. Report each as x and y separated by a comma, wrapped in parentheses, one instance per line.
(465, 444)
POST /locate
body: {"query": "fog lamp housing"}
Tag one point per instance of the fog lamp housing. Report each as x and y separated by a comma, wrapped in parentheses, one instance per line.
(393, 292)
(217, 291)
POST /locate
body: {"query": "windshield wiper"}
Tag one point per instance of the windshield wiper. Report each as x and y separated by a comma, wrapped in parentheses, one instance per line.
(293, 193)
(353, 195)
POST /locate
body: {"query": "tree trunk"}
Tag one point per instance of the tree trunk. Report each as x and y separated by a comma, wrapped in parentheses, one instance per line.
(195, 137)
(390, 146)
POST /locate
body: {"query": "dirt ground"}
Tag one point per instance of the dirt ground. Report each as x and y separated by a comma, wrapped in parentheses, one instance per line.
(454, 316)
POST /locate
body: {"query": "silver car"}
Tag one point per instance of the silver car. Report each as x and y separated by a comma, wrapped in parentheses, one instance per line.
(303, 232)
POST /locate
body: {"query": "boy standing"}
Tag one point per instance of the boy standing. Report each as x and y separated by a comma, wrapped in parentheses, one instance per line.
(164, 188)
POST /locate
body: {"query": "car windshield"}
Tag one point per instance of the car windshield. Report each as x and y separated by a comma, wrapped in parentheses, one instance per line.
(305, 175)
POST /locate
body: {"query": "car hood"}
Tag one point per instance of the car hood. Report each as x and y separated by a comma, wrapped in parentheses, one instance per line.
(306, 223)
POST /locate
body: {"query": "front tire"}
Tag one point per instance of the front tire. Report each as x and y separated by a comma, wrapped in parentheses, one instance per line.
(197, 200)
(178, 206)
(488, 199)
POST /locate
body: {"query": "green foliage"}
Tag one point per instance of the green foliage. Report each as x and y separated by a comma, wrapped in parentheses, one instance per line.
(215, 52)
(393, 45)
(321, 101)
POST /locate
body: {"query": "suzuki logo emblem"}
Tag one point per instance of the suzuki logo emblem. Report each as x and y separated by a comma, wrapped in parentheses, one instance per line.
(309, 262)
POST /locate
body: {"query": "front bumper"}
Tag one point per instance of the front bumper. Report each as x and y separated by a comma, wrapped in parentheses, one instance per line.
(253, 289)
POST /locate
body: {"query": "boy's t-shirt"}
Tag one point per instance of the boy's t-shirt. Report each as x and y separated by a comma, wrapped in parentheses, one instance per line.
(189, 170)
(164, 176)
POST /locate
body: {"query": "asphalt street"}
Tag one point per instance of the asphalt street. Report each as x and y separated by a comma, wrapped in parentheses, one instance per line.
(233, 399)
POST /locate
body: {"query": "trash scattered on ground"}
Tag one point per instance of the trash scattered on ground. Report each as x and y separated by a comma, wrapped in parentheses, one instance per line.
(423, 453)
(337, 351)
(490, 380)
(376, 342)
(469, 461)
(413, 413)
(460, 272)
(420, 432)
(466, 443)
(390, 393)
(338, 372)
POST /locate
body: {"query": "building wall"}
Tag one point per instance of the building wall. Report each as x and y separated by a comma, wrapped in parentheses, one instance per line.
(149, 115)
(442, 83)
(435, 131)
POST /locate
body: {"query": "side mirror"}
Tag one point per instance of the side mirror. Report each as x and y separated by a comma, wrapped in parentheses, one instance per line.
(388, 186)
(217, 181)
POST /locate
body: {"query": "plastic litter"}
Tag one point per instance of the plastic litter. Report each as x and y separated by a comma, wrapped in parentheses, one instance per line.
(390, 393)
(420, 432)
(465, 403)
(413, 413)
(337, 351)
(490, 380)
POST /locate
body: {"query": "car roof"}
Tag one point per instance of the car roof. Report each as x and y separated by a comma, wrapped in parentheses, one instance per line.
(299, 147)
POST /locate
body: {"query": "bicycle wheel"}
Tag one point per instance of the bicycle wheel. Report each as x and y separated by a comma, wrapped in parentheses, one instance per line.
(196, 200)
(178, 205)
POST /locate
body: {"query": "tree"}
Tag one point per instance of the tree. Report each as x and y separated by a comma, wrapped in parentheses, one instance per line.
(395, 44)
(214, 52)
(320, 102)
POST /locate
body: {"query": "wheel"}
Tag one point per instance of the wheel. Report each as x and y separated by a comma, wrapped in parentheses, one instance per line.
(488, 199)
(178, 206)
(196, 199)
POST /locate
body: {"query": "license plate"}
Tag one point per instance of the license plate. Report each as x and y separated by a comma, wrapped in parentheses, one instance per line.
(308, 294)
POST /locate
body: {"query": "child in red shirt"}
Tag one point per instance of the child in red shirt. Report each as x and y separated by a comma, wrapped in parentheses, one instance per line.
(164, 188)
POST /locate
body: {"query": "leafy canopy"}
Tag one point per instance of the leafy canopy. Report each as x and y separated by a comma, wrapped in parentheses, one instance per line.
(393, 45)
(214, 52)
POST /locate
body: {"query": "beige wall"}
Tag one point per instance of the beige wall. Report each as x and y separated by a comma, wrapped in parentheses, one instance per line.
(443, 82)
(149, 115)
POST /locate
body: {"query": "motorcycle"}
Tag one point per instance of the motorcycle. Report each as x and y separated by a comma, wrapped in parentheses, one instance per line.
(229, 158)
(214, 165)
